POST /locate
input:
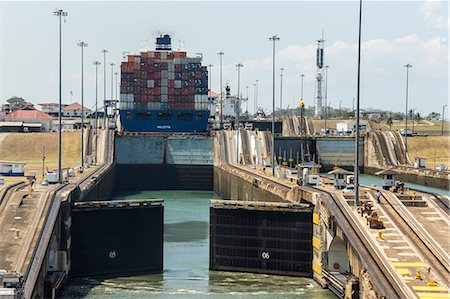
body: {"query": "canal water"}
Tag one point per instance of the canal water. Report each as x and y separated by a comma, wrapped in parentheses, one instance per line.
(186, 262)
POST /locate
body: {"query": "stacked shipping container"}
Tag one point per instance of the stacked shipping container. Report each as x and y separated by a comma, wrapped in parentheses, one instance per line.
(163, 80)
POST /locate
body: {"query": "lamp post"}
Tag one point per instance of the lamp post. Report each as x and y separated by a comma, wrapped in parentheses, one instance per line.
(60, 13)
(407, 66)
(246, 108)
(443, 117)
(210, 75)
(82, 45)
(281, 89)
(273, 38)
(356, 169)
(257, 86)
(303, 76)
(238, 108)
(116, 74)
(96, 63)
(221, 95)
(104, 51)
(326, 97)
(254, 98)
(112, 83)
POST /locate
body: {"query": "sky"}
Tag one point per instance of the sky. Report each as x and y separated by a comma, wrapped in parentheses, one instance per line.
(394, 33)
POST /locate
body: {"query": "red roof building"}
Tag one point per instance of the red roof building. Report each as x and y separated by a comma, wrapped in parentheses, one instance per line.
(74, 110)
(30, 116)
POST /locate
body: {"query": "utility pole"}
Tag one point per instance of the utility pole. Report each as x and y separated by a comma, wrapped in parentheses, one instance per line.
(112, 82)
(356, 169)
(60, 13)
(116, 74)
(96, 63)
(82, 45)
(273, 38)
(326, 97)
(238, 108)
(221, 95)
(210, 75)
(104, 51)
(257, 86)
(281, 89)
(443, 117)
(408, 66)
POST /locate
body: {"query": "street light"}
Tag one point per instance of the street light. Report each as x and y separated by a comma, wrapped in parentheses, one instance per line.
(356, 169)
(116, 74)
(408, 66)
(254, 97)
(257, 86)
(104, 51)
(96, 63)
(238, 108)
(60, 13)
(273, 38)
(82, 45)
(210, 75)
(326, 97)
(112, 84)
(303, 76)
(221, 96)
(281, 89)
(443, 117)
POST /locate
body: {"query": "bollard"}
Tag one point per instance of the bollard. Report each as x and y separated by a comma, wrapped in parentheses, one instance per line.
(380, 235)
(17, 234)
(418, 276)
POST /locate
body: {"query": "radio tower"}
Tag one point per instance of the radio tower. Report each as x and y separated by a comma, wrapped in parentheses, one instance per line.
(319, 77)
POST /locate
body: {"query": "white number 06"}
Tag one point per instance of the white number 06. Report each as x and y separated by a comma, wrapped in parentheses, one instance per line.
(265, 255)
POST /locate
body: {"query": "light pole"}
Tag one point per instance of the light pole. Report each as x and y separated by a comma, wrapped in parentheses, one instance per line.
(303, 76)
(257, 86)
(408, 66)
(273, 38)
(443, 117)
(60, 13)
(254, 97)
(104, 51)
(210, 75)
(356, 169)
(238, 108)
(112, 82)
(353, 107)
(281, 89)
(96, 63)
(116, 74)
(82, 45)
(246, 108)
(326, 97)
(221, 95)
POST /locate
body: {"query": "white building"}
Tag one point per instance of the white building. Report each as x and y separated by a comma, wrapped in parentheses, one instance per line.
(74, 110)
(350, 127)
(11, 168)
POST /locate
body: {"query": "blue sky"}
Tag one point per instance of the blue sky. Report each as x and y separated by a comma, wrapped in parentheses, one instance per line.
(394, 33)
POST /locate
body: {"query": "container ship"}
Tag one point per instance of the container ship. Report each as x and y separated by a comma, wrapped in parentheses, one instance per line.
(163, 91)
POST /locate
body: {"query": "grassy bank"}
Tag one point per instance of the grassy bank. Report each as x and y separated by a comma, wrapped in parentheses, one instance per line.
(28, 147)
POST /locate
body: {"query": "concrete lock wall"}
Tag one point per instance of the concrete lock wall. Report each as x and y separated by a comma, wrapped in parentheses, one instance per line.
(139, 150)
(338, 152)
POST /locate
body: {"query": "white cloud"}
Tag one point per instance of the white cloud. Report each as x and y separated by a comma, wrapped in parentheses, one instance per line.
(432, 12)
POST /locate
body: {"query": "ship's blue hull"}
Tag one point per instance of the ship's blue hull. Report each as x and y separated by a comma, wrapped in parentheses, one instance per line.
(164, 120)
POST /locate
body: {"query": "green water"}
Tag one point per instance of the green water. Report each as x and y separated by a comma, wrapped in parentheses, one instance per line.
(186, 261)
